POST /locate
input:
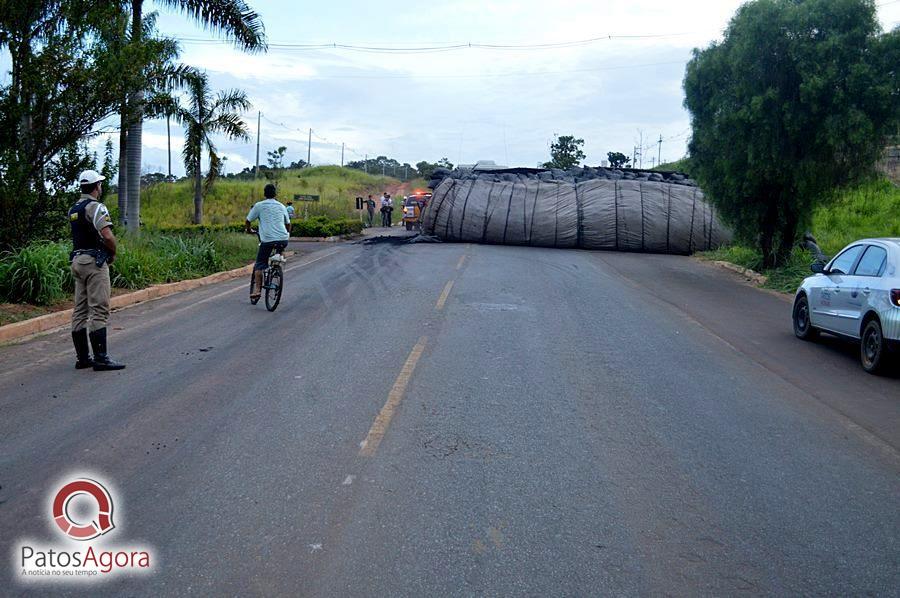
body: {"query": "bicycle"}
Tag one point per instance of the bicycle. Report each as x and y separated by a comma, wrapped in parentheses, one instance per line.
(273, 280)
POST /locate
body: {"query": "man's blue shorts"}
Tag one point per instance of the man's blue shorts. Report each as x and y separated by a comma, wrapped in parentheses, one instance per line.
(265, 251)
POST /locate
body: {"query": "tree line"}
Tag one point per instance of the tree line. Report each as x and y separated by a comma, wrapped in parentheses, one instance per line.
(76, 64)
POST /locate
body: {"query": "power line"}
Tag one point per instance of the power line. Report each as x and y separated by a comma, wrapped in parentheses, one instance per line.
(450, 47)
(499, 75)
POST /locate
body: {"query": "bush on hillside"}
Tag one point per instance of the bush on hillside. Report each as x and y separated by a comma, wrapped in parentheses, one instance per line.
(320, 226)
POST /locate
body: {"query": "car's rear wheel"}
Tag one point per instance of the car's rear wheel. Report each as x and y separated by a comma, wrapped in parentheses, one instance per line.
(873, 349)
(803, 328)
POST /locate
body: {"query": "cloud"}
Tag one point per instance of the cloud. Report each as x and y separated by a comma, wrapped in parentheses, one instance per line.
(470, 104)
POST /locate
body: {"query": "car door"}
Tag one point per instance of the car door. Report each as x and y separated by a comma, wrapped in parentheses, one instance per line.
(828, 297)
(860, 287)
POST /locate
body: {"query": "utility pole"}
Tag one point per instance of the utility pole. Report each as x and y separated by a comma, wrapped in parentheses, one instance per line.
(659, 152)
(382, 170)
(258, 122)
(641, 155)
(342, 154)
(633, 156)
(405, 172)
(169, 142)
(309, 149)
(366, 164)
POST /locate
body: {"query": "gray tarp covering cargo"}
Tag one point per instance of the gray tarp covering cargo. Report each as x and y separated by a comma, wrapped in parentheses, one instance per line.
(589, 208)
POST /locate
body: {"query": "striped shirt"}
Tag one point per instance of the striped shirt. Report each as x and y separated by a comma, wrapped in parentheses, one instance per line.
(273, 220)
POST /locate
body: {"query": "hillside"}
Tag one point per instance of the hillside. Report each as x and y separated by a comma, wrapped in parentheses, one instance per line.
(869, 210)
(172, 204)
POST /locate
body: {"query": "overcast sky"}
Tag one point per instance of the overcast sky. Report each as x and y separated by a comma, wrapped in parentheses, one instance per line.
(468, 104)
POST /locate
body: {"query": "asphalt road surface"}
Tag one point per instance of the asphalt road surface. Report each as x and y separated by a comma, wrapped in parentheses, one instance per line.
(441, 419)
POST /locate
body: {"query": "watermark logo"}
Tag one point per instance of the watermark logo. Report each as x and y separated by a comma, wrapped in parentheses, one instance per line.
(81, 511)
(92, 529)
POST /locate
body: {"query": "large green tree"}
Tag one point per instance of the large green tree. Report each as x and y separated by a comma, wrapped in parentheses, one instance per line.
(204, 116)
(64, 81)
(233, 18)
(794, 102)
(565, 152)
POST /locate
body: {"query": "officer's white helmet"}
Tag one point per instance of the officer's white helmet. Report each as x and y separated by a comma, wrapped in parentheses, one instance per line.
(90, 176)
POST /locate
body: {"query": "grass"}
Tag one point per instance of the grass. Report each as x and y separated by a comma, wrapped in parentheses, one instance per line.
(682, 165)
(870, 210)
(172, 204)
(168, 249)
(39, 273)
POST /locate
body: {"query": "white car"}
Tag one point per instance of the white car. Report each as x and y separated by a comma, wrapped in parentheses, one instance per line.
(856, 295)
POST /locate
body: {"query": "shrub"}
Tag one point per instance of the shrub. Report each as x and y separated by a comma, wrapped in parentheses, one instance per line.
(37, 273)
(321, 226)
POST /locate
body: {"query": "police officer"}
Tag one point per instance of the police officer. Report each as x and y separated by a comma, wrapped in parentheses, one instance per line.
(94, 245)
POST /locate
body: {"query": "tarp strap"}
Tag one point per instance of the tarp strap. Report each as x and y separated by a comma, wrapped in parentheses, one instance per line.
(641, 191)
(440, 204)
(579, 211)
(537, 191)
(668, 215)
(448, 224)
(616, 205)
(465, 203)
(488, 210)
(556, 215)
(691, 238)
(512, 192)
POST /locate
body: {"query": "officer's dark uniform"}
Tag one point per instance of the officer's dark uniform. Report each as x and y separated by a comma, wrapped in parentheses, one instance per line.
(92, 285)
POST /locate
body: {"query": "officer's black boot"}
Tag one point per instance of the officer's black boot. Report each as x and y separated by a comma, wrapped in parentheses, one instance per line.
(102, 362)
(80, 340)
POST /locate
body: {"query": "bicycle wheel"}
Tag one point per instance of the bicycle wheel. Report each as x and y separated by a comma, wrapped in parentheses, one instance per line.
(273, 288)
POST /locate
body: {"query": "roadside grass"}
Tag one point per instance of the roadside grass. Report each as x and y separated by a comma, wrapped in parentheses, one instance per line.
(39, 273)
(172, 204)
(870, 210)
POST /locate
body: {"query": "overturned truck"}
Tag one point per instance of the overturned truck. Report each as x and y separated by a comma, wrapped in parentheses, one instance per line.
(590, 208)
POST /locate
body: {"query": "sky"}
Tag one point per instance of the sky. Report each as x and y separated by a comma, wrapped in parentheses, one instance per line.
(506, 105)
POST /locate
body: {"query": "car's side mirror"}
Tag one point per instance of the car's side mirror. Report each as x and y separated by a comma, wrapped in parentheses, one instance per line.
(817, 267)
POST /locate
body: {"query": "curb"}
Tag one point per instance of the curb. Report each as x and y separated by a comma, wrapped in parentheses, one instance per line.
(749, 274)
(17, 330)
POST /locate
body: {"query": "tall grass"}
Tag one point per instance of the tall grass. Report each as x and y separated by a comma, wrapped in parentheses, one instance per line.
(39, 272)
(869, 210)
(172, 204)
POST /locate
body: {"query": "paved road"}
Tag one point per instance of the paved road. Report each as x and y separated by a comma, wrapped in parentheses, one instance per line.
(469, 420)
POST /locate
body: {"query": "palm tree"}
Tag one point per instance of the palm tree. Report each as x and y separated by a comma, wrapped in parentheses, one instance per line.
(159, 76)
(235, 19)
(205, 116)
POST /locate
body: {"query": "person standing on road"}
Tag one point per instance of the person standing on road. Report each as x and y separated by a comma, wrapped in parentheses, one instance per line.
(274, 231)
(93, 247)
(387, 206)
(370, 210)
(290, 210)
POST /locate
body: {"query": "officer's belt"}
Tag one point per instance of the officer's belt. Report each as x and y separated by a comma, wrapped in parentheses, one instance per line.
(90, 252)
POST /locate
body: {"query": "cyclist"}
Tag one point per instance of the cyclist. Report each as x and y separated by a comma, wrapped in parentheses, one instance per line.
(274, 231)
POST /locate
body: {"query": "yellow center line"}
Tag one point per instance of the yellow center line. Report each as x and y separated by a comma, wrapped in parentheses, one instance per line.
(462, 260)
(368, 446)
(444, 294)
